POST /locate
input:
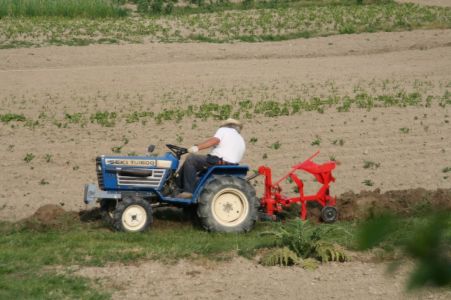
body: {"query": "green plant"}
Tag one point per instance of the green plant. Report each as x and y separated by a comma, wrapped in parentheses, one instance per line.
(48, 157)
(118, 149)
(338, 142)
(6, 118)
(316, 141)
(179, 138)
(367, 164)
(105, 118)
(137, 116)
(253, 140)
(280, 257)
(29, 157)
(73, 118)
(276, 145)
(306, 240)
(446, 169)
(43, 182)
(368, 182)
(404, 130)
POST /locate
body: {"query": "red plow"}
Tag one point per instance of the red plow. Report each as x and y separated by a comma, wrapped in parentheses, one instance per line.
(273, 201)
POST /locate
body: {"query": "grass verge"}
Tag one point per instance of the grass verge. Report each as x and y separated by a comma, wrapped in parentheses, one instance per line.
(29, 252)
(62, 8)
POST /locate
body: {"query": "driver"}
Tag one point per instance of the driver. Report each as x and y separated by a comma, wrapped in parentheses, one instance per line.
(228, 148)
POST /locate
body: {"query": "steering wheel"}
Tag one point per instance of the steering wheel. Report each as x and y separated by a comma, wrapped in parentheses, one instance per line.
(178, 151)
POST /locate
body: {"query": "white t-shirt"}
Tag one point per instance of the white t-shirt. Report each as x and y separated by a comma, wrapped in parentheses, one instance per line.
(231, 145)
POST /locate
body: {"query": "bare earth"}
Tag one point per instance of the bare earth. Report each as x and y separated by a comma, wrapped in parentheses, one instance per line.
(428, 2)
(124, 78)
(243, 279)
(57, 80)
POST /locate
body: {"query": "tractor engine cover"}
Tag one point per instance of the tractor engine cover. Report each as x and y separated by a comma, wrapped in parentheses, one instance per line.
(137, 173)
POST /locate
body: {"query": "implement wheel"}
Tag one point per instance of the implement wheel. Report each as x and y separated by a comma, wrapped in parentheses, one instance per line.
(228, 204)
(132, 214)
(329, 214)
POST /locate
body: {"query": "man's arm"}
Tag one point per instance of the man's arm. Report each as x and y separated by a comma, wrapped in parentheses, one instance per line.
(213, 141)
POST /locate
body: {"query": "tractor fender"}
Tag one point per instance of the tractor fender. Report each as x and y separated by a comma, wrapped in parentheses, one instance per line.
(231, 170)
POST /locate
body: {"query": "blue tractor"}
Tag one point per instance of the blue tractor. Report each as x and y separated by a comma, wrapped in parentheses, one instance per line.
(131, 187)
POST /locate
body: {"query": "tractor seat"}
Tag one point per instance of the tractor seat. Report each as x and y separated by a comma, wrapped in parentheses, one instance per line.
(204, 170)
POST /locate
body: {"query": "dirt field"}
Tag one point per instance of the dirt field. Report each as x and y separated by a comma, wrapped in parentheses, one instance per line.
(57, 80)
(243, 279)
(411, 145)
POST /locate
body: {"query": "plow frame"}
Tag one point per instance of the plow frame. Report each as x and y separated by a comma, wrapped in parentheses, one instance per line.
(273, 200)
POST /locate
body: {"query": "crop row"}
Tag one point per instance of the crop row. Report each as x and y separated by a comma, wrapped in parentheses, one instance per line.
(224, 26)
(245, 109)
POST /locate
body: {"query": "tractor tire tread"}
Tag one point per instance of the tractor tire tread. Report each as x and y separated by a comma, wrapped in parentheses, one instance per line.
(213, 186)
(126, 202)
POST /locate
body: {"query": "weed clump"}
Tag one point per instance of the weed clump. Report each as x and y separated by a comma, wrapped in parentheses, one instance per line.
(304, 240)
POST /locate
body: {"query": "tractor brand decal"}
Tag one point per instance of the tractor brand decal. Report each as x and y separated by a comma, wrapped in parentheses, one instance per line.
(131, 162)
(139, 162)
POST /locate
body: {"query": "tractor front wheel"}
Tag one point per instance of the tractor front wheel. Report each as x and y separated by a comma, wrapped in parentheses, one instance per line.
(107, 207)
(132, 214)
(228, 204)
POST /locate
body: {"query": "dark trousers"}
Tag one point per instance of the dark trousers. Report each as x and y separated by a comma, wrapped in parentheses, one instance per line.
(188, 172)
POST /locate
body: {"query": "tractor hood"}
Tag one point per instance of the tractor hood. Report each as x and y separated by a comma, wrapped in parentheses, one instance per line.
(134, 172)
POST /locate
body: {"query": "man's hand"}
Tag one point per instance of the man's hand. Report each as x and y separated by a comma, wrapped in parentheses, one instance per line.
(193, 149)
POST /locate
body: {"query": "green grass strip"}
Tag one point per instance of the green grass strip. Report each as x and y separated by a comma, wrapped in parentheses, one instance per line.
(29, 251)
(62, 8)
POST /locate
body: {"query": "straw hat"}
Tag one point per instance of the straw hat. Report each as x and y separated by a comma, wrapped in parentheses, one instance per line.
(231, 121)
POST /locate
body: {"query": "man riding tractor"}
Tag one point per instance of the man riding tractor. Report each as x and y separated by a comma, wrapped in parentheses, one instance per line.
(228, 149)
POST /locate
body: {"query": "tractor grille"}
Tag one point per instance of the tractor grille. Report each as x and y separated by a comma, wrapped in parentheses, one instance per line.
(99, 172)
(152, 181)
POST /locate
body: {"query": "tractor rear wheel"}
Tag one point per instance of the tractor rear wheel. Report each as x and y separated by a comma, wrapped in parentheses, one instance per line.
(228, 204)
(132, 214)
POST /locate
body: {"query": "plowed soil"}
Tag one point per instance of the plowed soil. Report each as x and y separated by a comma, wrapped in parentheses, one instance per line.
(45, 84)
(410, 146)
